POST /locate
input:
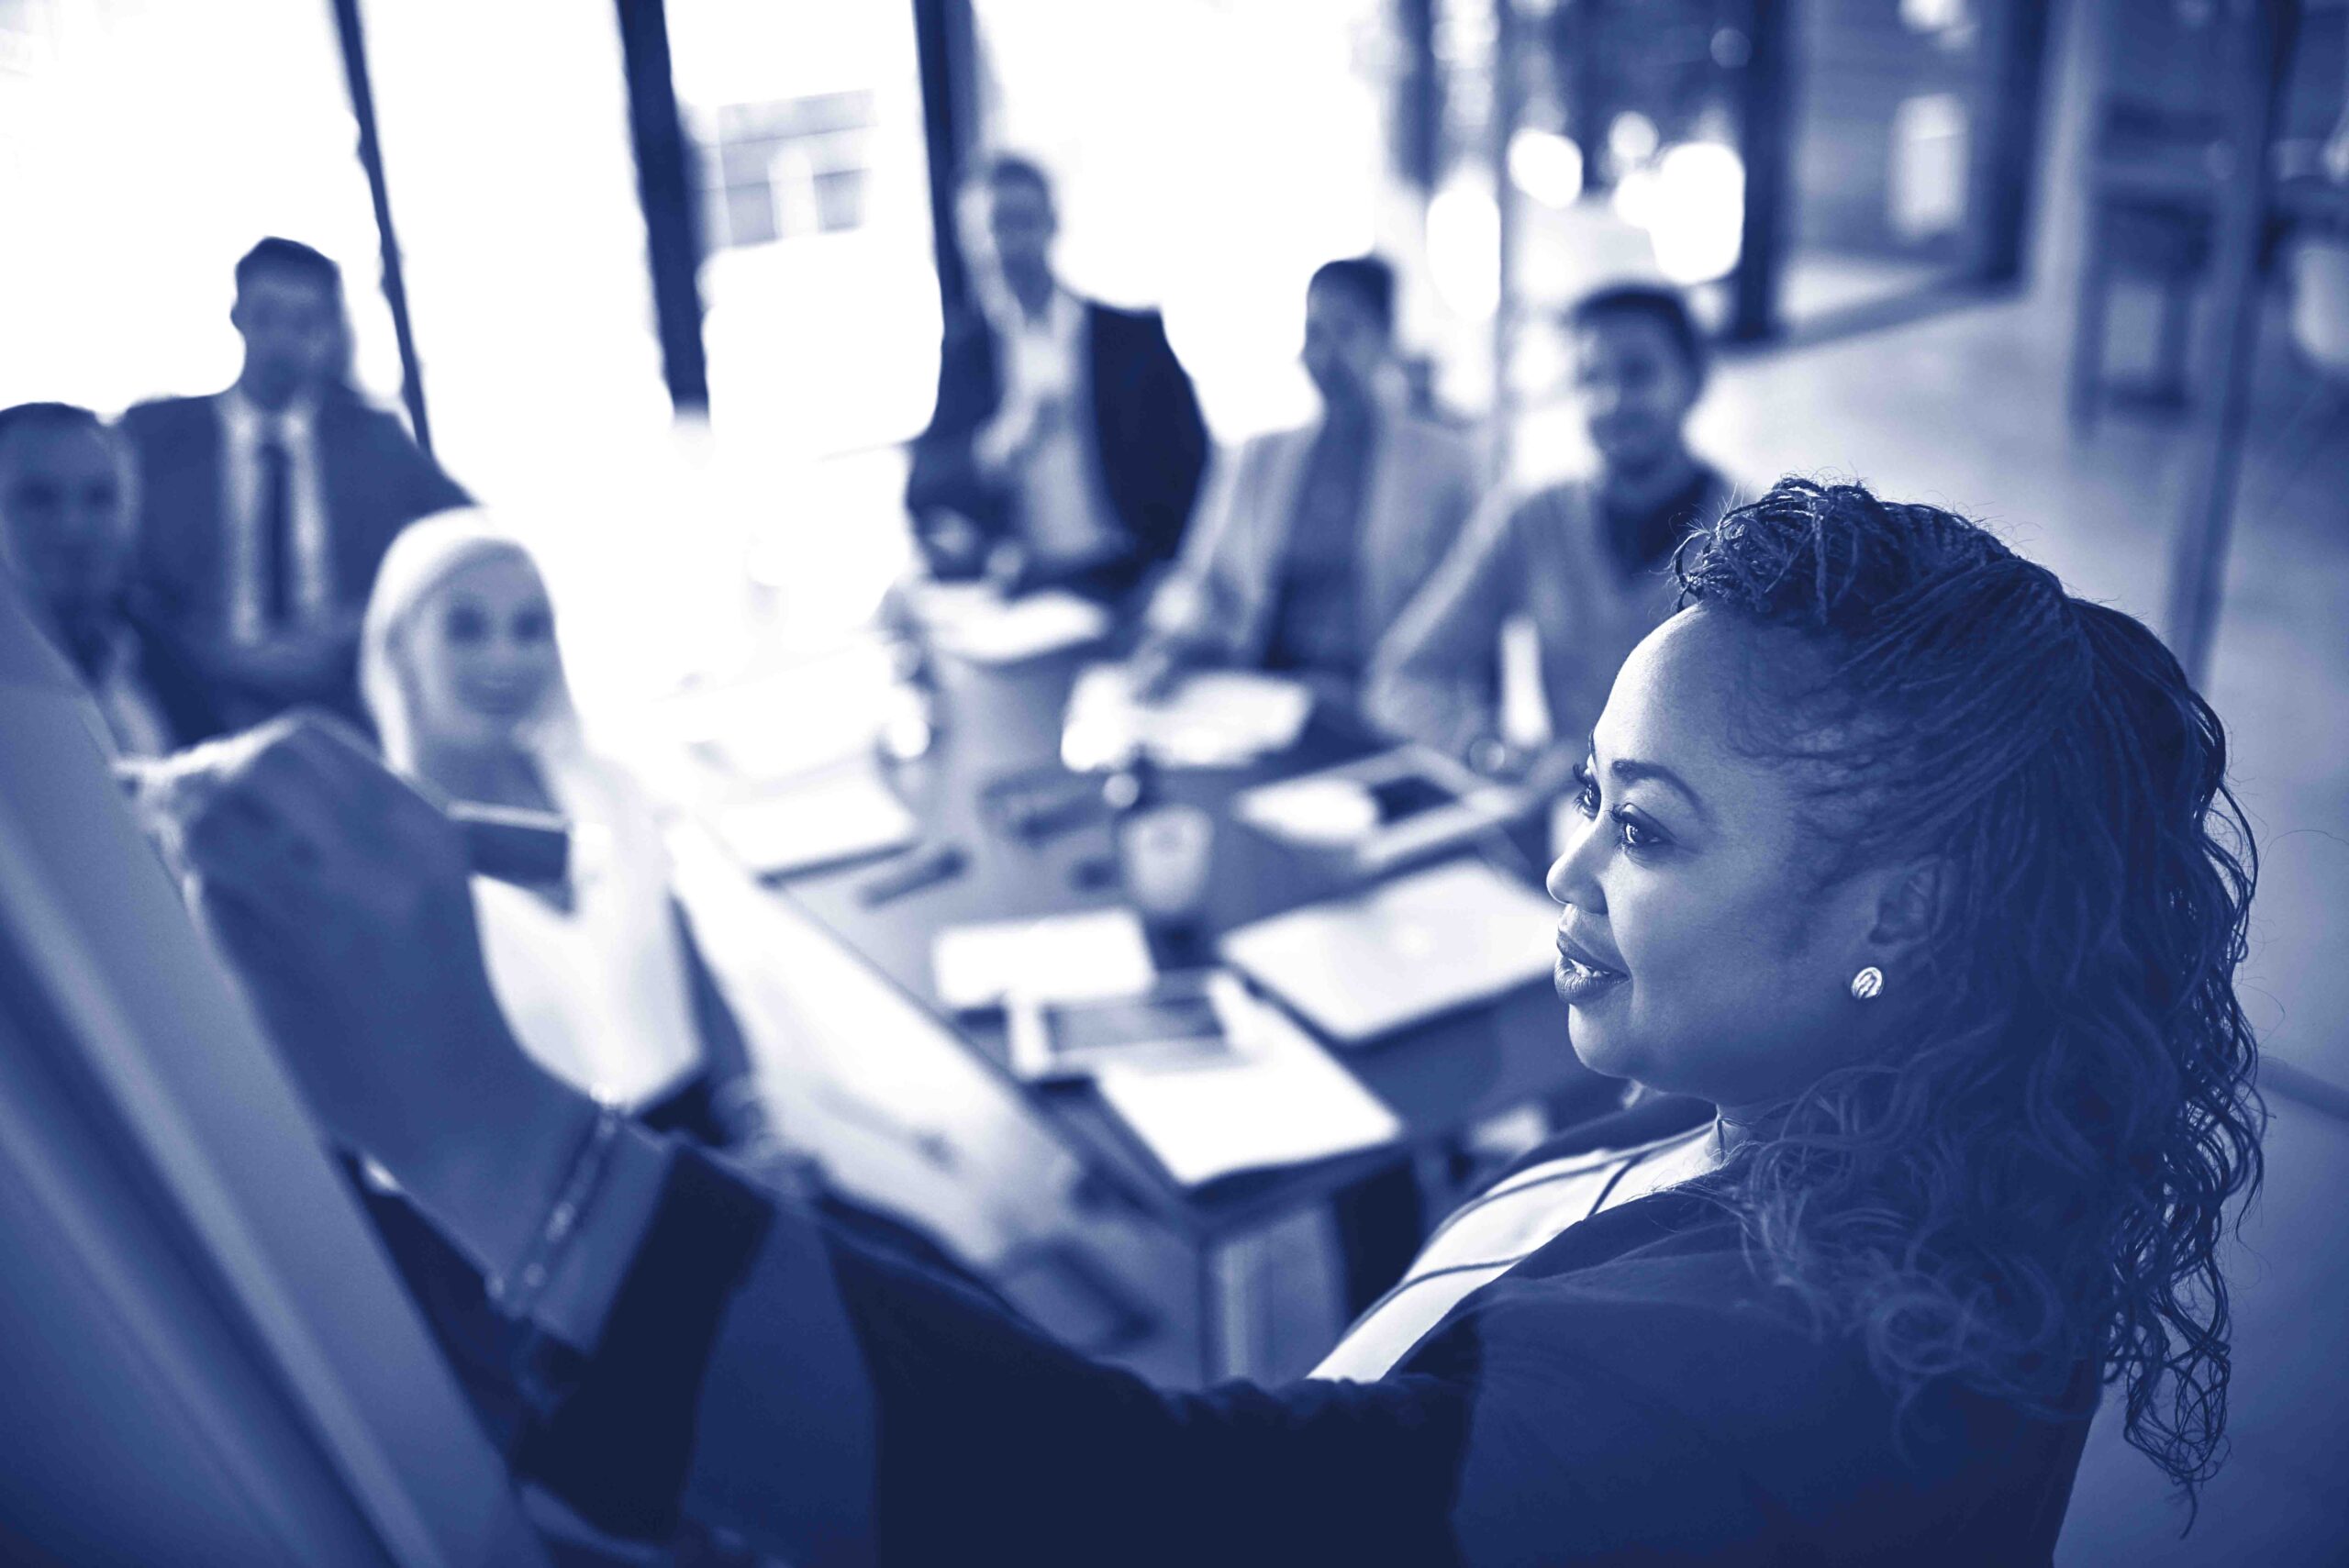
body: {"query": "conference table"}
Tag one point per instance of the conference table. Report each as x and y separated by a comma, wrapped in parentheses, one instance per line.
(996, 725)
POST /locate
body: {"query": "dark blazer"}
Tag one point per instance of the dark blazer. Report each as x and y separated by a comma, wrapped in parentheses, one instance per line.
(1633, 1392)
(1148, 439)
(374, 479)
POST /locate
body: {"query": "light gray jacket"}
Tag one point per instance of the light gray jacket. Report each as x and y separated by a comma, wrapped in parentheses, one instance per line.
(1222, 593)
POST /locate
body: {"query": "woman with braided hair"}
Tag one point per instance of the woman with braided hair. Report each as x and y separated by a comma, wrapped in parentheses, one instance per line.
(1910, 882)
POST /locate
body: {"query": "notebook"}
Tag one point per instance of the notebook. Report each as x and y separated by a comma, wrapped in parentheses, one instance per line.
(1213, 718)
(1277, 1099)
(1411, 950)
(1103, 953)
(825, 818)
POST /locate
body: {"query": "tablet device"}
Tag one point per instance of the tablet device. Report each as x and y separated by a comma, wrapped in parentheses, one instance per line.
(1183, 1019)
(528, 848)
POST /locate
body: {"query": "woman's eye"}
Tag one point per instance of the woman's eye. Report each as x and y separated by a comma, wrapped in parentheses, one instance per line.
(465, 626)
(1586, 792)
(532, 626)
(1635, 834)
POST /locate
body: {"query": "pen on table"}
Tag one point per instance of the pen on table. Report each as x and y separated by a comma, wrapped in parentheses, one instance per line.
(916, 870)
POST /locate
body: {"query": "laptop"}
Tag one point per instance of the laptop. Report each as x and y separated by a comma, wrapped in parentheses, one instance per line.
(1361, 968)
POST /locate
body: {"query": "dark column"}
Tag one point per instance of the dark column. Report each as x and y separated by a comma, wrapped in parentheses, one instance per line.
(665, 188)
(1766, 143)
(1418, 144)
(2257, 52)
(353, 41)
(2009, 107)
(946, 43)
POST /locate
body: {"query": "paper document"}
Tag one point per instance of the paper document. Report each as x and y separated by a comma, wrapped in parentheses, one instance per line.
(1059, 957)
(974, 622)
(1409, 950)
(811, 714)
(827, 818)
(1278, 1100)
(1213, 718)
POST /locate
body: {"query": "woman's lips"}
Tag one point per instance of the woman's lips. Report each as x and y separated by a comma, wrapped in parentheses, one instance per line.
(1580, 978)
(501, 701)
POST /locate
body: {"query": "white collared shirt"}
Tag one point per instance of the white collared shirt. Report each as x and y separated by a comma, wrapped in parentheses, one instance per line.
(1064, 517)
(243, 428)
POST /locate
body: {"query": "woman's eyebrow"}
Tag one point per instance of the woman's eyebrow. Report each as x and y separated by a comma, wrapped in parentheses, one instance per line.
(1627, 770)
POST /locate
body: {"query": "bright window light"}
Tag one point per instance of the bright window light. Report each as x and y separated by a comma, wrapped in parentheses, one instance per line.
(1465, 246)
(1546, 167)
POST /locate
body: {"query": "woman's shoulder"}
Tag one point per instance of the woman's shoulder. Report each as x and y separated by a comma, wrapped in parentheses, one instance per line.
(1663, 1362)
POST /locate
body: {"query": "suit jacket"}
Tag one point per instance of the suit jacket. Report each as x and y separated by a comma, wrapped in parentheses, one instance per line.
(1634, 1392)
(1149, 442)
(374, 479)
(1542, 555)
(1422, 491)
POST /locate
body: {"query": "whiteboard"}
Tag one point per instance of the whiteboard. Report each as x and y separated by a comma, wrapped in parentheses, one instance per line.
(207, 1355)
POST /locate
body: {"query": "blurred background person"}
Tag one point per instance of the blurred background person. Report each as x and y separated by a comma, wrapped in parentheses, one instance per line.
(65, 522)
(265, 510)
(599, 976)
(1586, 559)
(1066, 446)
(1314, 540)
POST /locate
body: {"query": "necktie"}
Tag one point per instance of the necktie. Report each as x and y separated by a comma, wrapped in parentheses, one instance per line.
(276, 532)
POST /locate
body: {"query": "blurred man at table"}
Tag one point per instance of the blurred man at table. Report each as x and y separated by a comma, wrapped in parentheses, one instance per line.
(1314, 540)
(1585, 560)
(264, 510)
(1066, 446)
(65, 503)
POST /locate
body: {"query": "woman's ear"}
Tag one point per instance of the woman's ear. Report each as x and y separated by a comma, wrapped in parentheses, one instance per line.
(1906, 909)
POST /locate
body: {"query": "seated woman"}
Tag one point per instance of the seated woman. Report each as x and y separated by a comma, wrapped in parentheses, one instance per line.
(599, 976)
(1920, 874)
(1312, 541)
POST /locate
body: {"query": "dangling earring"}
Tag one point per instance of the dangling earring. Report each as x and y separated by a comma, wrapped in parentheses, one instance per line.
(1867, 984)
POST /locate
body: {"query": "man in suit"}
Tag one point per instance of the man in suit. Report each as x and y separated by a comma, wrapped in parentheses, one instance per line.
(1314, 540)
(265, 510)
(65, 506)
(1066, 446)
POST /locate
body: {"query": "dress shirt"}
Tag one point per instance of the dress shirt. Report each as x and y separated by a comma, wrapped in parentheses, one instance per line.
(1063, 512)
(243, 429)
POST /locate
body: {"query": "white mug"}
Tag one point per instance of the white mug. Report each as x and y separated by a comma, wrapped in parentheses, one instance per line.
(1164, 854)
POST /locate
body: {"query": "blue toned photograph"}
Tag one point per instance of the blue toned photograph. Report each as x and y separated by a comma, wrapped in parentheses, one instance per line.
(1452, 784)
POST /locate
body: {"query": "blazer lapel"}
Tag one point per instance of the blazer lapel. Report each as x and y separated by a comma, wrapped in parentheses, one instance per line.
(341, 489)
(196, 470)
(1391, 515)
(1274, 518)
